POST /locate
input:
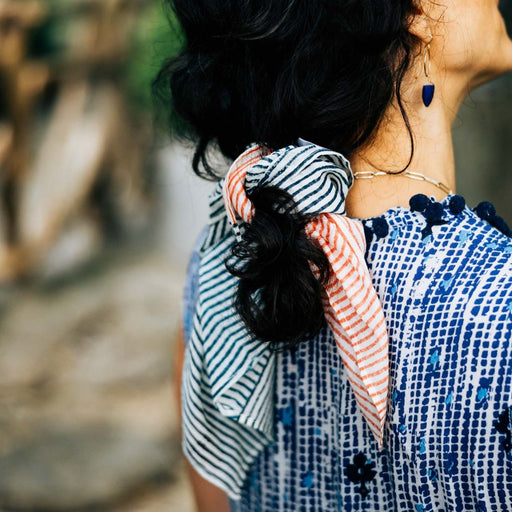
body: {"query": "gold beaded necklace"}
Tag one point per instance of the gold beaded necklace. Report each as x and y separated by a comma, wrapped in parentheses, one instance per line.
(365, 175)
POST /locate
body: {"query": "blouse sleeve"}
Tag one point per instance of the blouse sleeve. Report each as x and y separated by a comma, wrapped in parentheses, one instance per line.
(190, 290)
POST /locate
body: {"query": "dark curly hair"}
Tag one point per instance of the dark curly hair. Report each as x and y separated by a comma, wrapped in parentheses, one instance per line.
(269, 71)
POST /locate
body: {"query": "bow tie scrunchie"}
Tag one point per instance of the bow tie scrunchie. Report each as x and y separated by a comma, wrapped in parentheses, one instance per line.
(318, 180)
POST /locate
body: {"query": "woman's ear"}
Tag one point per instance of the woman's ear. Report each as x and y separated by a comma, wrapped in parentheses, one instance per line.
(420, 23)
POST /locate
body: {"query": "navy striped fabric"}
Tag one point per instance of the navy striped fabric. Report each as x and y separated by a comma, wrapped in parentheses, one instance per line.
(317, 178)
(446, 290)
(228, 377)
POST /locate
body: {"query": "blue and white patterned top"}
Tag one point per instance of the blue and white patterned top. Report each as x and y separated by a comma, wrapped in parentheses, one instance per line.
(443, 273)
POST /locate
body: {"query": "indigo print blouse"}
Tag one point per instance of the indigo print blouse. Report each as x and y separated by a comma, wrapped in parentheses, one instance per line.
(443, 272)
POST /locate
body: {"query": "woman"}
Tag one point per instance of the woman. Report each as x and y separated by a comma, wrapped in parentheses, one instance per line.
(348, 317)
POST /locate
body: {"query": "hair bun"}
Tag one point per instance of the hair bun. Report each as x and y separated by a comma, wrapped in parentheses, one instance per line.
(278, 296)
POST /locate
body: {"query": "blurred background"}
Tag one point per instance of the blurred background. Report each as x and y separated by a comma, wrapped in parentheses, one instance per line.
(99, 211)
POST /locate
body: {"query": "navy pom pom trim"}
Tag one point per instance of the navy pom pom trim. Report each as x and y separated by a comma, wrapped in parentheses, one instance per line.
(457, 204)
(380, 227)
(485, 210)
(500, 224)
(368, 235)
(419, 202)
(433, 212)
(430, 209)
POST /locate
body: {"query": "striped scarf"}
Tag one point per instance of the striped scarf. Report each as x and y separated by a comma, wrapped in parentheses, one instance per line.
(228, 375)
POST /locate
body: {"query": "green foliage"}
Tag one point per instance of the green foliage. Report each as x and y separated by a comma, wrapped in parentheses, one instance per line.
(157, 37)
(45, 40)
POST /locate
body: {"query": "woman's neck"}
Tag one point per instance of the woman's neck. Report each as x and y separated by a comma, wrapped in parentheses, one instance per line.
(391, 148)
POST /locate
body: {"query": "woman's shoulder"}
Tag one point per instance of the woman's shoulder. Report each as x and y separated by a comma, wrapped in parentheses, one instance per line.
(449, 229)
(442, 252)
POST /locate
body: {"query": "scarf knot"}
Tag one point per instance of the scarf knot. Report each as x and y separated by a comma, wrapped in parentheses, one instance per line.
(317, 179)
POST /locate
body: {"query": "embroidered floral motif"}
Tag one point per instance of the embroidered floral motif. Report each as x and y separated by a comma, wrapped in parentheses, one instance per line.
(504, 426)
(361, 472)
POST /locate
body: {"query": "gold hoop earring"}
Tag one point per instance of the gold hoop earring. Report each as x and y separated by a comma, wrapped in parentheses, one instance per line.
(427, 93)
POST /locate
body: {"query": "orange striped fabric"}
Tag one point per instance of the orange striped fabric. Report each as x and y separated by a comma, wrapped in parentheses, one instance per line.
(352, 308)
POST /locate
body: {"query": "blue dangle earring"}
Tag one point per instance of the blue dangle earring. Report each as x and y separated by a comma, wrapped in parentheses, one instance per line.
(428, 90)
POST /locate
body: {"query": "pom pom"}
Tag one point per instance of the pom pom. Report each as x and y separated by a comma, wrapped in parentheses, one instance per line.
(418, 202)
(434, 212)
(457, 204)
(500, 224)
(485, 210)
(380, 227)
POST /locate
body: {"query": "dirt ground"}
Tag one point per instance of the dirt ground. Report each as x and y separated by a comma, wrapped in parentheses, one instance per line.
(88, 418)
